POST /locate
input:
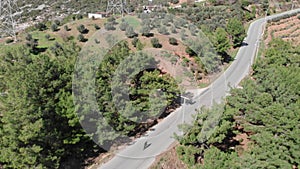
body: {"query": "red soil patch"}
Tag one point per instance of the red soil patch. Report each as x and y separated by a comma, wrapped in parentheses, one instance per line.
(244, 141)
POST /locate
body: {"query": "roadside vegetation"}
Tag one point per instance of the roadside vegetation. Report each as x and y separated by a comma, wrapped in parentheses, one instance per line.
(259, 123)
(39, 127)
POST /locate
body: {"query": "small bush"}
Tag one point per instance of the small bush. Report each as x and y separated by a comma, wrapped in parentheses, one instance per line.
(155, 43)
(173, 29)
(173, 41)
(97, 41)
(163, 30)
(174, 1)
(70, 38)
(67, 28)
(47, 36)
(145, 31)
(130, 32)
(190, 51)
(134, 41)
(81, 28)
(184, 5)
(79, 16)
(109, 26)
(7, 41)
(57, 22)
(81, 38)
(139, 45)
(40, 26)
(123, 26)
(28, 37)
(111, 19)
(54, 27)
(174, 60)
(97, 27)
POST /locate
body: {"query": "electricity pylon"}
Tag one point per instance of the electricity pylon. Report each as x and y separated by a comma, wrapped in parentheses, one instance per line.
(116, 6)
(8, 10)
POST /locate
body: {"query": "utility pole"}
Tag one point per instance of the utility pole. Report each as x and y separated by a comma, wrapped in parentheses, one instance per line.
(8, 10)
(116, 6)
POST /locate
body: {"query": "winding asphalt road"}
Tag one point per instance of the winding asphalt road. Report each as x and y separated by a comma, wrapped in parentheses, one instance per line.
(142, 153)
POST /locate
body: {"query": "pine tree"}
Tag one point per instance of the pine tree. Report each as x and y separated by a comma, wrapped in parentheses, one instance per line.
(236, 30)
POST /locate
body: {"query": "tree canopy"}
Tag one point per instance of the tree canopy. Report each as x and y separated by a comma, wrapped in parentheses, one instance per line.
(265, 111)
(39, 128)
(129, 115)
(236, 30)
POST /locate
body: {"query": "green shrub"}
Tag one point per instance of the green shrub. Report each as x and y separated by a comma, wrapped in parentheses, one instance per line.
(79, 16)
(109, 26)
(57, 22)
(28, 37)
(97, 41)
(190, 51)
(145, 31)
(134, 41)
(47, 36)
(81, 38)
(9, 40)
(40, 26)
(175, 1)
(97, 27)
(155, 43)
(81, 28)
(67, 28)
(173, 60)
(70, 38)
(130, 32)
(123, 26)
(163, 30)
(54, 27)
(111, 19)
(139, 45)
(173, 29)
(173, 41)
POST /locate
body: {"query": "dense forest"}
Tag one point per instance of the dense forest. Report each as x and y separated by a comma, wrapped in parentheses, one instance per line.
(40, 126)
(125, 85)
(259, 127)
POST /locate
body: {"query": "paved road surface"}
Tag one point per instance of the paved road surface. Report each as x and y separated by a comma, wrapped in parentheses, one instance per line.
(141, 154)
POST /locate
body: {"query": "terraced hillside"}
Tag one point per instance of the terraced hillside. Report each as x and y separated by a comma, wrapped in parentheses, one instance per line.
(287, 29)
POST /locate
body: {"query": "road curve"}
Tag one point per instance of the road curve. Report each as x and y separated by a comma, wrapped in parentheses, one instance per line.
(141, 154)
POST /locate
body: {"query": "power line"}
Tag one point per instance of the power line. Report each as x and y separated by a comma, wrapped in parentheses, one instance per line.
(8, 10)
(116, 6)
